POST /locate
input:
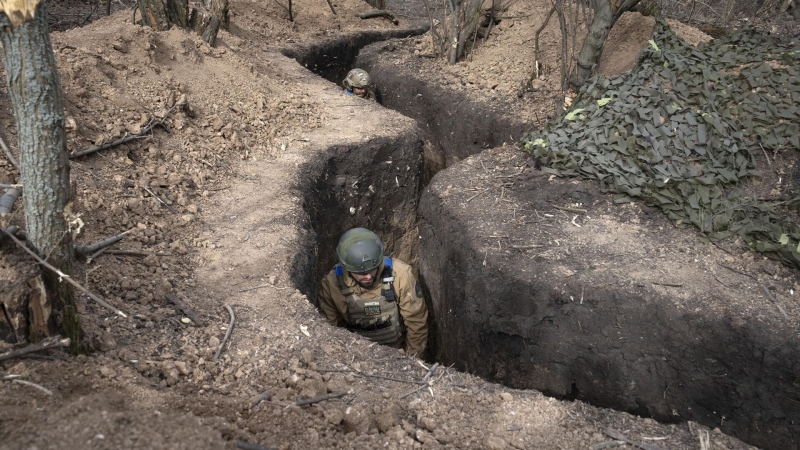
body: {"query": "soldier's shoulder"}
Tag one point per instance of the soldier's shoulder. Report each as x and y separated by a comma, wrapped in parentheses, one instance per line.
(401, 268)
(330, 277)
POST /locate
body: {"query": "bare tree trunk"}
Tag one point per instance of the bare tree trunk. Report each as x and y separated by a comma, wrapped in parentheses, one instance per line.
(592, 46)
(36, 97)
(154, 14)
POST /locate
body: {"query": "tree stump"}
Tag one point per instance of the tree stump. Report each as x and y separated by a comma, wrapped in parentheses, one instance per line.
(25, 311)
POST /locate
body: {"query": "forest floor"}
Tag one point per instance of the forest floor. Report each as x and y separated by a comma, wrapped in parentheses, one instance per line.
(227, 167)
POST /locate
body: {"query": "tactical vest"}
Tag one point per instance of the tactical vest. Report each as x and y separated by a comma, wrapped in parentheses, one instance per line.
(377, 319)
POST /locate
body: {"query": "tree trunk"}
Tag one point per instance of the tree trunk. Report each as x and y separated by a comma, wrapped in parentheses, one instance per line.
(219, 8)
(154, 14)
(590, 51)
(38, 105)
(177, 12)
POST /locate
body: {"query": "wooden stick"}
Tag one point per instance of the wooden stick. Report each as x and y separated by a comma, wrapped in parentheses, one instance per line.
(10, 186)
(321, 398)
(186, 310)
(64, 276)
(53, 342)
(28, 383)
(379, 13)
(140, 135)
(414, 391)
(7, 201)
(9, 154)
(256, 399)
(86, 249)
(159, 199)
(227, 333)
(331, 5)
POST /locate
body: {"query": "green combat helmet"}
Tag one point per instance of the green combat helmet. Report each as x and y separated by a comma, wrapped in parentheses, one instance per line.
(360, 250)
(356, 78)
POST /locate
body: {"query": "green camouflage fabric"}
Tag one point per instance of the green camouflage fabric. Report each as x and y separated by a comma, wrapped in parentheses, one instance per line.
(679, 132)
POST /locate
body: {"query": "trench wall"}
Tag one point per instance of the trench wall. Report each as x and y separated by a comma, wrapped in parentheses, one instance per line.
(373, 184)
(332, 59)
(572, 321)
(455, 125)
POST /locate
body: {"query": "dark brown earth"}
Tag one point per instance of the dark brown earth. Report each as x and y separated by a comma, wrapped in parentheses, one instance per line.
(267, 165)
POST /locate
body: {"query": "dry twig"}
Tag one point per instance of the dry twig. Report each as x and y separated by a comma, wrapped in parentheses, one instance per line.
(53, 342)
(159, 199)
(65, 277)
(140, 135)
(227, 333)
(9, 154)
(28, 383)
(320, 398)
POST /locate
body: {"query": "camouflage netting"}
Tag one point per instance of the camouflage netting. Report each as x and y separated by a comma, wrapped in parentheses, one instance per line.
(677, 132)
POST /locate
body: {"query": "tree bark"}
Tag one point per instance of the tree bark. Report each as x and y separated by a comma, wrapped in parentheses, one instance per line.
(606, 15)
(154, 14)
(38, 105)
(177, 12)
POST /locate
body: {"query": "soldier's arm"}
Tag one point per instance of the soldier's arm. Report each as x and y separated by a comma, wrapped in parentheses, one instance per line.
(415, 315)
(327, 304)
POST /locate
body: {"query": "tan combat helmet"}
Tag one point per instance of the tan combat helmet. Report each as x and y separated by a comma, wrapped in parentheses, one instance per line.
(356, 78)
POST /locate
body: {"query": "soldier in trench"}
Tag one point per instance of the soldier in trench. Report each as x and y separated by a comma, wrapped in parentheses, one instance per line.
(375, 296)
(358, 83)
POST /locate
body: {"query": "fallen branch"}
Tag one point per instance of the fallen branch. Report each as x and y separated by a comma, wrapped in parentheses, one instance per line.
(8, 154)
(7, 201)
(64, 276)
(256, 399)
(379, 13)
(39, 387)
(140, 135)
(87, 249)
(621, 437)
(159, 199)
(186, 310)
(320, 398)
(53, 342)
(227, 333)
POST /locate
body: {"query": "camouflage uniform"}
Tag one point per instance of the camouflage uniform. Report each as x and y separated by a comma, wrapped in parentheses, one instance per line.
(409, 301)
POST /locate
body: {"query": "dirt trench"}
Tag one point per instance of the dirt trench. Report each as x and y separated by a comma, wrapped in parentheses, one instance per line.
(588, 324)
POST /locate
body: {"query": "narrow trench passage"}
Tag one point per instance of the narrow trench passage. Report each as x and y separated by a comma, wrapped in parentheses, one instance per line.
(378, 184)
